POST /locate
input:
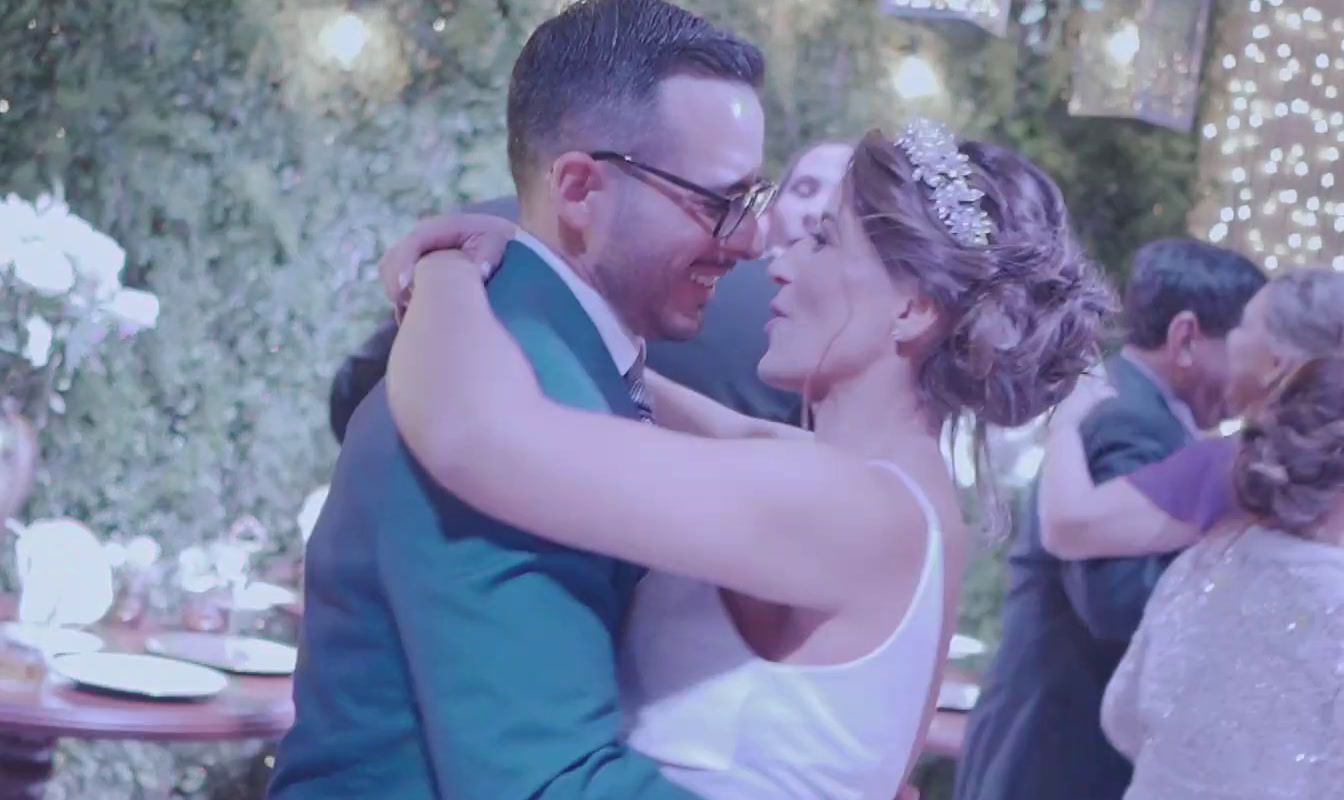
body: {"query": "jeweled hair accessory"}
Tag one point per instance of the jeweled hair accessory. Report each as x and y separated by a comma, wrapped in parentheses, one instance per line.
(932, 148)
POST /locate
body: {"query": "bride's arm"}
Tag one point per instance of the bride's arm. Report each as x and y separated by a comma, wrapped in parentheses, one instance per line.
(686, 410)
(787, 521)
(1080, 519)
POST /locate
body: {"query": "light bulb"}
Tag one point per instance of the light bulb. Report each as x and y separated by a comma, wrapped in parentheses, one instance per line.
(344, 38)
(1124, 44)
(915, 78)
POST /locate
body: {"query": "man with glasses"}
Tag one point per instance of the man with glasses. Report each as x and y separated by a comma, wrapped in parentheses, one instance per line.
(720, 362)
(444, 654)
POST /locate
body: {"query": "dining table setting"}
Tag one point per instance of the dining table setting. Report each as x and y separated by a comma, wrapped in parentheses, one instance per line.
(85, 654)
(90, 650)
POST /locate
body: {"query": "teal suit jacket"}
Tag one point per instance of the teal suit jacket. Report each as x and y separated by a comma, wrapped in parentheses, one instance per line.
(444, 654)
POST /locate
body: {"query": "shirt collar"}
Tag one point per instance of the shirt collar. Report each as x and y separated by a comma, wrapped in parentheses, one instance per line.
(1179, 408)
(623, 345)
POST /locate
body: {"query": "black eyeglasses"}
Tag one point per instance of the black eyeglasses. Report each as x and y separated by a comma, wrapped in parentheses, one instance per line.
(732, 208)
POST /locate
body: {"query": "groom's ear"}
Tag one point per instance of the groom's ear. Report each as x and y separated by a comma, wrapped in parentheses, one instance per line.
(577, 182)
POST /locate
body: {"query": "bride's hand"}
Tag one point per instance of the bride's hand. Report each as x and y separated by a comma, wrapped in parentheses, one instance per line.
(479, 237)
(1090, 391)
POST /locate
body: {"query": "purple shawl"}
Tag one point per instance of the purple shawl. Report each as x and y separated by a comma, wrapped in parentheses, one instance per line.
(1194, 484)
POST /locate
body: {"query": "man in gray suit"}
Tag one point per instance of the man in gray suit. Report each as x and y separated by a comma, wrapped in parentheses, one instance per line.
(719, 363)
(1036, 732)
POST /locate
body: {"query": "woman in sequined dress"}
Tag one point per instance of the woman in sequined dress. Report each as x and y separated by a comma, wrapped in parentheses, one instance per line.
(1169, 505)
(1233, 688)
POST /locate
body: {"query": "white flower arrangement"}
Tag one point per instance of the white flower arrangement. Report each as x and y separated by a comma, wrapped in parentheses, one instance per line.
(60, 295)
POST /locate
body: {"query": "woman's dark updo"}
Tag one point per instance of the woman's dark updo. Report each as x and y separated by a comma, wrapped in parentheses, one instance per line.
(1021, 317)
(1290, 469)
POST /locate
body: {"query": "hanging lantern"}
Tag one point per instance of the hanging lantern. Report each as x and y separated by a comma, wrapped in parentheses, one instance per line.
(989, 15)
(1140, 59)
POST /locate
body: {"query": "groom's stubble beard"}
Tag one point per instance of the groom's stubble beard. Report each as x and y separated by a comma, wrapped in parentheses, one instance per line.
(630, 287)
(636, 274)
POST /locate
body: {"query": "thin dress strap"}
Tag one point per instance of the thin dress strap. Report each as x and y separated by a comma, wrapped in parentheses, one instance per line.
(933, 556)
(925, 504)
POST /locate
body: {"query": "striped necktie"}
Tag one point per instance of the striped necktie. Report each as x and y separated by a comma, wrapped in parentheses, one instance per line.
(639, 392)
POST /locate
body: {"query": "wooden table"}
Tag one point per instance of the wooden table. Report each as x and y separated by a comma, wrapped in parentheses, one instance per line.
(34, 714)
(947, 731)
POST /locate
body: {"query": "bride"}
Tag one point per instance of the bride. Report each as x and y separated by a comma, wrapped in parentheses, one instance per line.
(789, 638)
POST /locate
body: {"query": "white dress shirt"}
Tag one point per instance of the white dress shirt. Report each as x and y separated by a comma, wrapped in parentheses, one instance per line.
(623, 345)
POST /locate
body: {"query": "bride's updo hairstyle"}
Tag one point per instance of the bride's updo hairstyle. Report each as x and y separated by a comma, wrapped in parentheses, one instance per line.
(1022, 314)
(1290, 469)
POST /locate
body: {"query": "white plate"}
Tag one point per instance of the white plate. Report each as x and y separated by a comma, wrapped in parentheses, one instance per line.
(241, 654)
(261, 596)
(956, 696)
(52, 641)
(964, 647)
(149, 676)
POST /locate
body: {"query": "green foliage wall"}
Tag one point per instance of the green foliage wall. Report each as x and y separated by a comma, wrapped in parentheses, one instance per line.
(253, 189)
(254, 185)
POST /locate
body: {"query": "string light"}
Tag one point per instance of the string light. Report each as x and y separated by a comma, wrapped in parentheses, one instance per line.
(1143, 61)
(1274, 150)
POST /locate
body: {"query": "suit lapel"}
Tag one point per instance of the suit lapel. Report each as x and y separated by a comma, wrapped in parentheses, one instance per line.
(525, 282)
(1138, 391)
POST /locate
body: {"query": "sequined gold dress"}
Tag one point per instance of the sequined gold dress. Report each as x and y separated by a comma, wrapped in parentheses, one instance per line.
(1233, 688)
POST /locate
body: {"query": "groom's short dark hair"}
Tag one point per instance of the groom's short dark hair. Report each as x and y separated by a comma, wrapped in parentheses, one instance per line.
(587, 78)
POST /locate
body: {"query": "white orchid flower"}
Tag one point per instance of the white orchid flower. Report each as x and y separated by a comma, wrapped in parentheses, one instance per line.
(116, 554)
(196, 570)
(43, 268)
(142, 552)
(17, 221)
(99, 260)
(134, 308)
(37, 344)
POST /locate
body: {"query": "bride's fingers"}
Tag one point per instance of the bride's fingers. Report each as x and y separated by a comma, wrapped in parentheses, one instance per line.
(397, 266)
(481, 238)
(403, 302)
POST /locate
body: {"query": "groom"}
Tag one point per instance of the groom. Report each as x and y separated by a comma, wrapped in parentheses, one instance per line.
(444, 654)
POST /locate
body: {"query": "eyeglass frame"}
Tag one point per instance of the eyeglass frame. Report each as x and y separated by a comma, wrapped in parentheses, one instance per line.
(749, 197)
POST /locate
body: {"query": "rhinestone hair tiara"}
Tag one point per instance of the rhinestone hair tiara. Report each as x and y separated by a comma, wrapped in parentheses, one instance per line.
(932, 149)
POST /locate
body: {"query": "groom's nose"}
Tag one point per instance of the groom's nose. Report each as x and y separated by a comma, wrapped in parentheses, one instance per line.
(747, 242)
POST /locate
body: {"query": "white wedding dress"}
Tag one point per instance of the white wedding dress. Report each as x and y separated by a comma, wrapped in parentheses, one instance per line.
(729, 725)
